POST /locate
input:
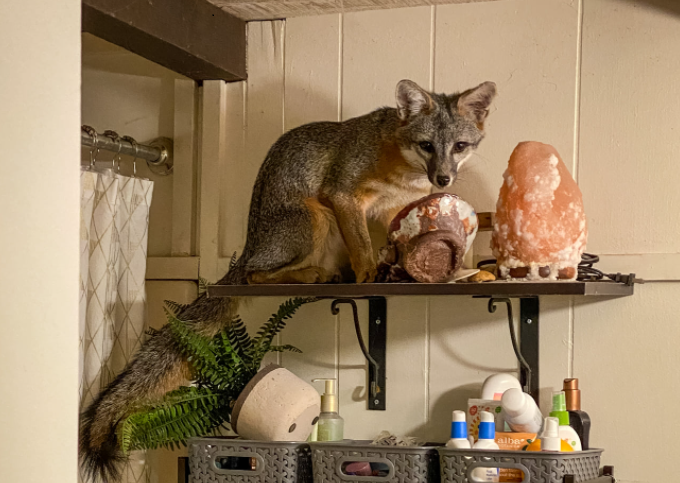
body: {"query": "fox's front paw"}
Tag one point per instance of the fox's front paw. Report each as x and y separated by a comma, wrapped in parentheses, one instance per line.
(366, 273)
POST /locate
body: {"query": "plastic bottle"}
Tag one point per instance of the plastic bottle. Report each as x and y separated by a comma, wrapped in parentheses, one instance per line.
(458, 432)
(330, 424)
(496, 384)
(486, 440)
(520, 411)
(579, 420)
(550, 440)
(559, 411)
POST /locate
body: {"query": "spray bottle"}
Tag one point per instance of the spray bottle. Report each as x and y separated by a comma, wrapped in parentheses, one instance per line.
(330, 425)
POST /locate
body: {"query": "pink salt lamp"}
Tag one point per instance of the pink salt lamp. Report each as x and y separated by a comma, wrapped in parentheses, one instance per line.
(540, 230)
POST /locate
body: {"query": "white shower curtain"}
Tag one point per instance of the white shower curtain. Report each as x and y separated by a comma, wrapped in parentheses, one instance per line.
(114, 221)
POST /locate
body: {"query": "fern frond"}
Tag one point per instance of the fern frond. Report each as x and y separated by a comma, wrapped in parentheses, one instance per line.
(174, 307)
(198, 350)
(275, 324)
(240, 339)
(184, 413)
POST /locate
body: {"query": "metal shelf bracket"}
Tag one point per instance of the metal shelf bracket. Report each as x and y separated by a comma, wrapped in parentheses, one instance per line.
(527, 351)
(377, 345)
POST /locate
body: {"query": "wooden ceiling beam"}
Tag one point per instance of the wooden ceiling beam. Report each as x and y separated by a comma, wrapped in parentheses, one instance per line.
(191, 37)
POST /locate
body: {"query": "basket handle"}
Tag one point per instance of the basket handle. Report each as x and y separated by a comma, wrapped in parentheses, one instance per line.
(259, 463)
(353, 459)
(497, 464)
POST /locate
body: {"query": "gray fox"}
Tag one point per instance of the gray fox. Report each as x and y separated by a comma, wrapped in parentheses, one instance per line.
(313, 195)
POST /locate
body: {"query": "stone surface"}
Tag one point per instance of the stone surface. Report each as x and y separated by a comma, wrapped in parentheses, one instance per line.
(540, 230)
(427, 240)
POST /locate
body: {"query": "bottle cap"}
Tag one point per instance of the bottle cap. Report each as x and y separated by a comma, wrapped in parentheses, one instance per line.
(550, 440)
(458, 425)
(329, 399)
(513, 402)
(487, 426)
(559, 409)
(572, 394)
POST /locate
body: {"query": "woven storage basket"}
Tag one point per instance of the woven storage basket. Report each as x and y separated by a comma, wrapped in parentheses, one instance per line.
(405, 464)
(267, 462)
(537, 467)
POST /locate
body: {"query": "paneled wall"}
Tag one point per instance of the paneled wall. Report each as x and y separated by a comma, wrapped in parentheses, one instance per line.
(595, 78)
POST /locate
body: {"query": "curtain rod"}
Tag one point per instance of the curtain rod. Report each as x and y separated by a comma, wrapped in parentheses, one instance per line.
(157, 154)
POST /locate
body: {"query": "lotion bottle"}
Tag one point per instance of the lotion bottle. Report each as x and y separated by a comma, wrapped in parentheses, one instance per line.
(559, 411)
(487, 440)
(579, 420)
(330, 424)
(521, 412)
(458, 432)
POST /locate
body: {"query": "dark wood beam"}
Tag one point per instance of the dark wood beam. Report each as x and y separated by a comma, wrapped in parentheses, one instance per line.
(191, 37)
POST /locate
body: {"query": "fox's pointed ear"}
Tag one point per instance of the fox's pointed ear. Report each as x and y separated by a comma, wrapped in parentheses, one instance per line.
(475, 102)
(411, 99)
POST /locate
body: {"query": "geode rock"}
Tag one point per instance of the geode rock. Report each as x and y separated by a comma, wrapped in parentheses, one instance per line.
(540, 230)
(427, 240)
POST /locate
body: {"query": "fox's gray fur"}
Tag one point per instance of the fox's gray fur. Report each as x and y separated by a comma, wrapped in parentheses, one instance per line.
(313, 195)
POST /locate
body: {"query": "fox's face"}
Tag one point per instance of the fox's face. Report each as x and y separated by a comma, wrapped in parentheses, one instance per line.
(439, 132)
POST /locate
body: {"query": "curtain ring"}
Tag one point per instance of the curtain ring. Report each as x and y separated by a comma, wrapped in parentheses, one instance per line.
(132, 141)
(94, 151)
(115, 137)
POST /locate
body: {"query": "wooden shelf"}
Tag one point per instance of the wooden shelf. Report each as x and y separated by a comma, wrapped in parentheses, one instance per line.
(499, 288)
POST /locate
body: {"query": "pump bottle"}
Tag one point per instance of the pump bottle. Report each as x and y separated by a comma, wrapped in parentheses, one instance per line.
(330, 424)
(579, 420)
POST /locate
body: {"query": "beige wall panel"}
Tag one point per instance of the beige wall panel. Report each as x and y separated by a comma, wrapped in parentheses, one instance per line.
(528, 48)
(129, 94)
(184, 169)
(555, 346)
(212, 157)
(234, 193)
(39, 240)
(626, 356)
(629, 125)
(379, 50)
(312, 69)
(406, 370)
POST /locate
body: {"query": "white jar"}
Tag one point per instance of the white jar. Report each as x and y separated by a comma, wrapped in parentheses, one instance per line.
(496, 384)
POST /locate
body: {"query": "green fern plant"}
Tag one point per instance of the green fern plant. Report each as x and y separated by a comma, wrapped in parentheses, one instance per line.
(222, 366)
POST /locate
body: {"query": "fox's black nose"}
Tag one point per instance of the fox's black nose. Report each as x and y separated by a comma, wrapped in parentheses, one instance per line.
(443, 180)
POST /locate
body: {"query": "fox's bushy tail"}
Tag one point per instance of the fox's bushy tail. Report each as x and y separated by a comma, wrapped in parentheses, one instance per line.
(156, 368)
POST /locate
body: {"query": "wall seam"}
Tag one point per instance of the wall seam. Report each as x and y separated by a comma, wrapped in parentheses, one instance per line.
(341, 39)
(575, 165)
(426, 370)
(577, 99)
(282, 38)
(433, 39)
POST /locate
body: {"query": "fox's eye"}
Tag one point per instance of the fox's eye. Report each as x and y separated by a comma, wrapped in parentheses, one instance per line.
(458, 147)
(426, 146)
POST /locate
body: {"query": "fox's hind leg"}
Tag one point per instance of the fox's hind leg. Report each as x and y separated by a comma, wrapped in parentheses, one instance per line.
(304, 250)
